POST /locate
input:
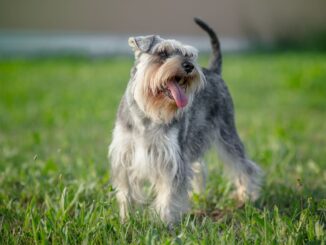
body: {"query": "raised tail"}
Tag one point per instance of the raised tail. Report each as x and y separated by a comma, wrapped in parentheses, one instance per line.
(216, 60)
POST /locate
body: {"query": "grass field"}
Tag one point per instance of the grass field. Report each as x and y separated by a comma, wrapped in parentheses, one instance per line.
(56, 117)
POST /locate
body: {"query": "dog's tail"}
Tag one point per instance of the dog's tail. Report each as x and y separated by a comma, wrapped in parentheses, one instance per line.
(216, 60)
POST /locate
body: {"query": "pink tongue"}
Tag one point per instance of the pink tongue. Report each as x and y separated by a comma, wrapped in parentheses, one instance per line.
(178, 94)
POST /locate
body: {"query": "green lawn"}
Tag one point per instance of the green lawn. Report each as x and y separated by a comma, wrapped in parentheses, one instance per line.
(56, 118)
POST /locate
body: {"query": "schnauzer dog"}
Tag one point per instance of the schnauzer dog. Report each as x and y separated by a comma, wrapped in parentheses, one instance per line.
(171, 113)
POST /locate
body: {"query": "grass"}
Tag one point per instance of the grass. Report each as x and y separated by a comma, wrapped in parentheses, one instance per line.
(56, 117)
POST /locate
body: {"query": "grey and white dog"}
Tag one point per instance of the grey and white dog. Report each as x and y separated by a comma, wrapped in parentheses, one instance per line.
(171, 113)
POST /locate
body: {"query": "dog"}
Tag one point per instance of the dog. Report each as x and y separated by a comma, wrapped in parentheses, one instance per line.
(171, 113)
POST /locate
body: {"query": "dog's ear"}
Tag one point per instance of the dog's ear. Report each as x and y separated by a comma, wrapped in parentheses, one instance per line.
(142, 43)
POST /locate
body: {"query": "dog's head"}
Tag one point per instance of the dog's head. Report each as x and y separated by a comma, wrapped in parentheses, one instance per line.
(166, 76)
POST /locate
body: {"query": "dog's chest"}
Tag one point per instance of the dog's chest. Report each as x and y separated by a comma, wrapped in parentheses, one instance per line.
(155, 151)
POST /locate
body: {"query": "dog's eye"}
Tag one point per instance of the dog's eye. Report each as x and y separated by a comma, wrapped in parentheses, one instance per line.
(163, 54)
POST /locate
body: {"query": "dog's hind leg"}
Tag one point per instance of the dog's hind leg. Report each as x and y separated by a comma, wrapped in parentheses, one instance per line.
(244, 173)
(199, 176)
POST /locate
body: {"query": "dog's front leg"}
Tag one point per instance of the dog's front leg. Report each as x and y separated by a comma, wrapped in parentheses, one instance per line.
(120, 154)
(121, 184)
(172, 198)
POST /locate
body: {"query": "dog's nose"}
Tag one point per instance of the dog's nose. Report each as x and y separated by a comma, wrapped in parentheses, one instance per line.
(187, 66)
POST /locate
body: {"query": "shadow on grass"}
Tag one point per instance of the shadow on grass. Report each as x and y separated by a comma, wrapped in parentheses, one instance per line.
(289, 201)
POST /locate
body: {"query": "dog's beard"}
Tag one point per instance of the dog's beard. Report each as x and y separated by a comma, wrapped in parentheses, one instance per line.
(163, 91)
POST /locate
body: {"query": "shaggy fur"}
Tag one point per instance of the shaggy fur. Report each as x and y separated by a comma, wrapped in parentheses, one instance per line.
(172, 112)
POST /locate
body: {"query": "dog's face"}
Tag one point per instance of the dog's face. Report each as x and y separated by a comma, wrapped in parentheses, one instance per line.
(166, 78)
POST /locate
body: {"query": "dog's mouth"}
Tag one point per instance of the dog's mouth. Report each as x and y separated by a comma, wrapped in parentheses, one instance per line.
(175, 89)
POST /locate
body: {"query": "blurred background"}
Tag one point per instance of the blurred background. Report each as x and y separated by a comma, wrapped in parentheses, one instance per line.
(101, 27)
